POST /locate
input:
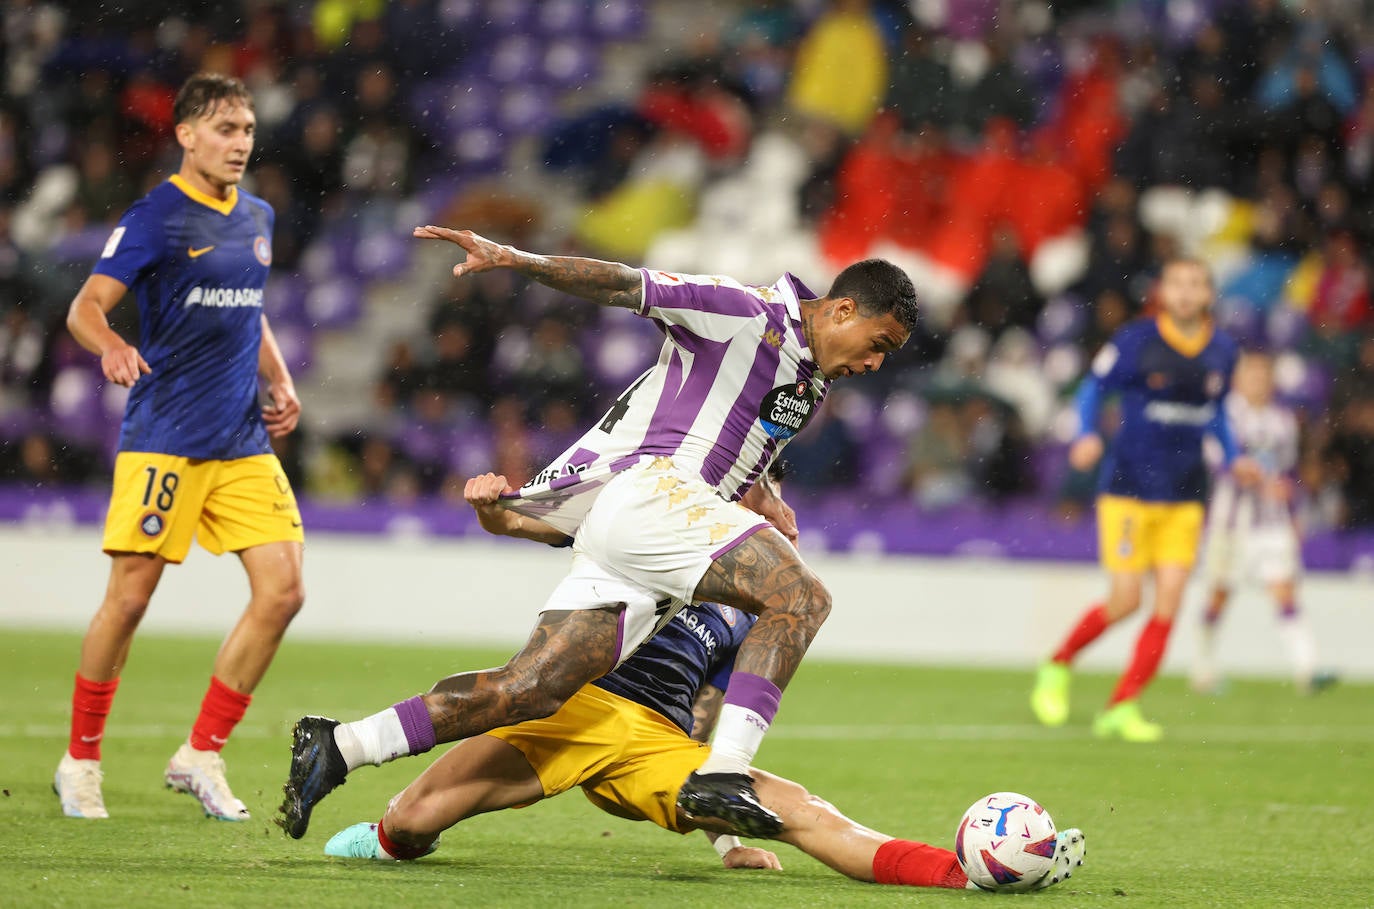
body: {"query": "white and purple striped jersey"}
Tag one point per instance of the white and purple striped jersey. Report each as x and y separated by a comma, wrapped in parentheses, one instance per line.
(1269, 435)
(733, 383)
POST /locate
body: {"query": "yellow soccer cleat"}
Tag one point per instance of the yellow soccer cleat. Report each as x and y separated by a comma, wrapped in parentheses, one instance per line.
(1124, 722)
(1050, 697)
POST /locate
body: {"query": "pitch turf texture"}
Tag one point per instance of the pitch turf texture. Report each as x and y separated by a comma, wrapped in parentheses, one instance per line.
(1257, 798)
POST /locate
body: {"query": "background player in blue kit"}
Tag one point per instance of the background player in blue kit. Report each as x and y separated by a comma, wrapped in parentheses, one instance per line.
(1172, 373)
(195, 459)
(630, 740)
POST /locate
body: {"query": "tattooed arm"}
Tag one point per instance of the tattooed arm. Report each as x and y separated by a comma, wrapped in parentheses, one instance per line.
(607, 283)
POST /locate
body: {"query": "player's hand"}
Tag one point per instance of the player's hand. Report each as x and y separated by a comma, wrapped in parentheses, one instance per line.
(1085, 452)
(123, 365)
(1278, 489)
(751, 857)
(283, 412)
(764, 501)
(483, 491)
(1247, 471)
(483, 254)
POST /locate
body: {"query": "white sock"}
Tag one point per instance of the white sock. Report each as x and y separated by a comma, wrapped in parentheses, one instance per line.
(1301, 646)
(739, 733)
(373, 740)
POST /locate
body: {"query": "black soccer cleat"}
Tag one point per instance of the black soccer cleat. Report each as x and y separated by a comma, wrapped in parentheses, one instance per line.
(727, 797)
(317, 769)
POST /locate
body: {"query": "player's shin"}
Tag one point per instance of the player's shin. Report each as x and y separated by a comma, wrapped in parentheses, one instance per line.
(400, 730)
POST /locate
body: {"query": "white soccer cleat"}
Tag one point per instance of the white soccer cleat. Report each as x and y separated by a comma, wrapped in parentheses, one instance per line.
(77, 784)
(201, 773)
(1070, 848)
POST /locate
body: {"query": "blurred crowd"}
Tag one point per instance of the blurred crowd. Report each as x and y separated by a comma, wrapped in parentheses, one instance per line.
(1030, 164)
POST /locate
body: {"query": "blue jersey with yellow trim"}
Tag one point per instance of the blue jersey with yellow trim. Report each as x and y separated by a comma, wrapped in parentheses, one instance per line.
(197, 266)
(698, 646)
(1171, 389)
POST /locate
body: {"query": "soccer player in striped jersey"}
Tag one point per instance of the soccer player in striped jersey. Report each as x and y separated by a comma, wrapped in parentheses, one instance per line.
(1171, 373)
(1251, 532)
(629, 740)
(652, 497)
(195, 460)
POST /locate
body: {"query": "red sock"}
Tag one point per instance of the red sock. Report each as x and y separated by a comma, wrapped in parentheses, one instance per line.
(90, 706)
(1149, 651)
(398, 851)
(917, 865)
(1092, 624)
(220, 712)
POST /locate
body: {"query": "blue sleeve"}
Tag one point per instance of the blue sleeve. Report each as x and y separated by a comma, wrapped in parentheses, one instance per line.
(1089, 402)
(1220, 428)
(720, 676)
(134, 246)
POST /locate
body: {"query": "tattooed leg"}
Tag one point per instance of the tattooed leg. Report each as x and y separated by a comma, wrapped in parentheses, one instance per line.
(765, 576)
(567, 650)
(762, 575)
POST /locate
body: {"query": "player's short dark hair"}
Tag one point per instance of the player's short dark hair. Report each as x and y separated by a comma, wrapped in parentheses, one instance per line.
(778, 470)
(203, 92)
(878, 287)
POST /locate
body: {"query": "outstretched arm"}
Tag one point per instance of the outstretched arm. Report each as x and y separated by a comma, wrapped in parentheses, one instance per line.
(607, 283)
(88, 321)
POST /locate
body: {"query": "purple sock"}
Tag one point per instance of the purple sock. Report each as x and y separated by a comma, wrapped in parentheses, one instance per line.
(1288, 609)
(754, 692)
(415, 721)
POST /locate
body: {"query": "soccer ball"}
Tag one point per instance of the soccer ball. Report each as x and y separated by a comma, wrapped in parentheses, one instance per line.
(1005, 842)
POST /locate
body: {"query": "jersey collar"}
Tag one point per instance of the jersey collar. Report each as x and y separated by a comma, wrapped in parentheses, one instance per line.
(223, 206)
(1188, 346)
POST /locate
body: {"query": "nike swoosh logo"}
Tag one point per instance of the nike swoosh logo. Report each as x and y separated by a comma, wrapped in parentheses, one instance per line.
(295, 523)
(197, 253)
(217, 740)
(89, 739)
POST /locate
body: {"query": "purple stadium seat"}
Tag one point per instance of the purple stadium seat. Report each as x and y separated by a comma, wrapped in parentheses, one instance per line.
(510, 16)
(470, 452)
(466, 14)
(381, 254)
(525, 109)
(619, 20)
(334, 304)
(477, 148)
(515, 58)
(296, 343)
(1062, 319)
(470, 104)
(569, 63)
(1285, 327)
(17, 423)
(563, 17)
(283, 301)
(74, 405)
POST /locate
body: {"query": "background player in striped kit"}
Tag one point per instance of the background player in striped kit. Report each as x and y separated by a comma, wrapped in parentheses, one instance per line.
(194, 458)
(652, 497)
(1172, 373)
(1251, 533)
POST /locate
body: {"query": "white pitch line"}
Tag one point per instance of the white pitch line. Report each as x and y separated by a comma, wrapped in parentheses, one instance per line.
(892, 732)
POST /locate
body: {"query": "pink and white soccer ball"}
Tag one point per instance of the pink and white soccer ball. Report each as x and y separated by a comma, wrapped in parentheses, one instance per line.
(1005, 842)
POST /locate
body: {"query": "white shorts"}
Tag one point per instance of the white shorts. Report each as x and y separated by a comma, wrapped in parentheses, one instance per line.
(646, 542)
(1269, 554)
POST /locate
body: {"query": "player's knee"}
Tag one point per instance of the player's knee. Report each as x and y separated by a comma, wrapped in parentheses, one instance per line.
(817, 602)
(125, 608)
(285, 602)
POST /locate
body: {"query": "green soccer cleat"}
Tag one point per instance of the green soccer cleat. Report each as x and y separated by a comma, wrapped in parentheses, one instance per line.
(1070, 850)
(360, 841)
(1050, 697)
(1123, 721)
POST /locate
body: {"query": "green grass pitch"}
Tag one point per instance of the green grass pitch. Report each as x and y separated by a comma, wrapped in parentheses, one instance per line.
(1257, 798)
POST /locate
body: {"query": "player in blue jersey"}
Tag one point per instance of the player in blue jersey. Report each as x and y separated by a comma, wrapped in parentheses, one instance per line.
(195, 458)
(1171, 374)
(630, 740)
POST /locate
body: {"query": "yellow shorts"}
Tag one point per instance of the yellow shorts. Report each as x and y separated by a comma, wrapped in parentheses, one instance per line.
(1133, 535)
(160, 502)
(629, 760)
